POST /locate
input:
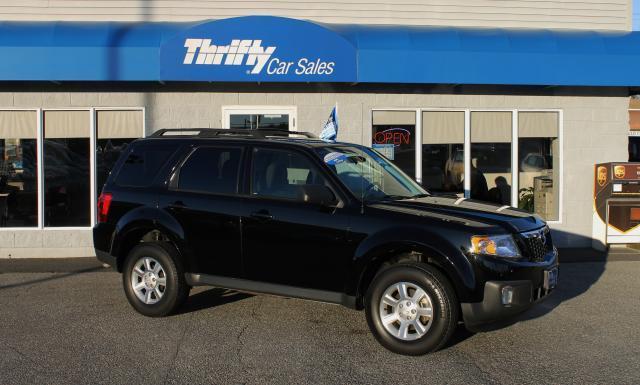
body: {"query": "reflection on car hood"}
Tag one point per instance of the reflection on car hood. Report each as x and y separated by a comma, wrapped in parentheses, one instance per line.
(510, 218)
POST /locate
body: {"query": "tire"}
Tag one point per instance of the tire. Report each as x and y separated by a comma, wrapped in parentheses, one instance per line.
(425, 333)
(166, 286)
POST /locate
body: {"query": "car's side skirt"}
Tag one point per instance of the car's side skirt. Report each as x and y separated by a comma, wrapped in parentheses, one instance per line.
(256, 287)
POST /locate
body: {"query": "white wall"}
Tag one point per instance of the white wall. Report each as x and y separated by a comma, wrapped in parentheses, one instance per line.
(571, 14)
(595, 131)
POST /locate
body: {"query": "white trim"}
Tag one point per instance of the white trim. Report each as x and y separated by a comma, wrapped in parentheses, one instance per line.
(560, 112)
(515, 166)
(418, 130)
(144, 122)
(56, 228)
(38, 112)
(40, 167)
(93, 175)
(91, 169)
(513, 139)
(19, 229)
(467, 154)
(67, 109)
(292, 111)
(560, 167)
(142, 109)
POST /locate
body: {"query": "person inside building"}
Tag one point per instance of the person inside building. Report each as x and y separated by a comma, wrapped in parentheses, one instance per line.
(501, 193)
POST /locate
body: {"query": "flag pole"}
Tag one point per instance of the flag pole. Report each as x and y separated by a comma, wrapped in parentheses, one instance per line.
(337, 124)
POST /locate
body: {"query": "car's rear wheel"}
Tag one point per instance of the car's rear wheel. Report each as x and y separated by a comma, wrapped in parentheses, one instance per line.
(411, 308)
(153, 279)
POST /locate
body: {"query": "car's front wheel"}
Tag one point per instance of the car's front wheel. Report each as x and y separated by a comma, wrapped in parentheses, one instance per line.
(411, 308)
(153, 279)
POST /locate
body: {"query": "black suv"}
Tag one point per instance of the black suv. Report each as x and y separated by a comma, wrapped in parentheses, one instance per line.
(282, 213)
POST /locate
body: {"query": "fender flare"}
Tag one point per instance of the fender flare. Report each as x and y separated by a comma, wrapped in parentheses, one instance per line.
(141, 220)
(436, 250)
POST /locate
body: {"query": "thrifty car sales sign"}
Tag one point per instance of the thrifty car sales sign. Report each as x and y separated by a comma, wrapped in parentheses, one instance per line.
(258, 49)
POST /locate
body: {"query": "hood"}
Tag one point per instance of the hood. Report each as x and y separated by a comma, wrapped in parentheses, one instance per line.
(510, 218)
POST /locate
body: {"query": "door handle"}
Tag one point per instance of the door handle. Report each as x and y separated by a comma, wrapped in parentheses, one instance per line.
(262, 214)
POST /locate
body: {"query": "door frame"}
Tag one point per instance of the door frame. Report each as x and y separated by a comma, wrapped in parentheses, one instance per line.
(292, 111)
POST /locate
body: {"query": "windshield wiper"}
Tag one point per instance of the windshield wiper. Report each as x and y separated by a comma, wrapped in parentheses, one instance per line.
(385, 197)
(395, 197)
(401, 197)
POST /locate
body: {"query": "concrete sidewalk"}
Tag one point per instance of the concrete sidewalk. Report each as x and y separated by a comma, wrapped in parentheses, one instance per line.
(51, 265)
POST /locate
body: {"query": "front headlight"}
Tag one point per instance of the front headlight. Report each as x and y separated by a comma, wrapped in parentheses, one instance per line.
(496, 245)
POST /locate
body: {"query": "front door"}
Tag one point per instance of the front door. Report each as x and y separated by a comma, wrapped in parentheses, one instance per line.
(203, 198)
(285, 240)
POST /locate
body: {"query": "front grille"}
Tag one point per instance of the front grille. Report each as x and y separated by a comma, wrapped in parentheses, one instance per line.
(537, 244)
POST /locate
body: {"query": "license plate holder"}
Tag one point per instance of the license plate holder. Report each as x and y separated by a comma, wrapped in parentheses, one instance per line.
(550, 278)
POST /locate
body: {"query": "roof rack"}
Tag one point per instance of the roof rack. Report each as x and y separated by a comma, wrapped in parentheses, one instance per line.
(221, 132)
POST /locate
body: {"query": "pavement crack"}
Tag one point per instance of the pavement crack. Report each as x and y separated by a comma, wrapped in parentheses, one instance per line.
(174, 356)
(239, 341)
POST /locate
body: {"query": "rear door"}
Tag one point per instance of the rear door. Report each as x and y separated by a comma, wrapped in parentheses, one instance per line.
(285, 240)
(203, 197)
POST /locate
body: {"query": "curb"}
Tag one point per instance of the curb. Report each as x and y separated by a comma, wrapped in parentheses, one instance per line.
(52, 265)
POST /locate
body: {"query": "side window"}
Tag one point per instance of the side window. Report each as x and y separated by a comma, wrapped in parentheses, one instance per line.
(142, 165)
(211, 170)
(280, 174)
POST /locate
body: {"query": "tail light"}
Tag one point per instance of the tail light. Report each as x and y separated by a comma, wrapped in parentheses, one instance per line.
(104, 202)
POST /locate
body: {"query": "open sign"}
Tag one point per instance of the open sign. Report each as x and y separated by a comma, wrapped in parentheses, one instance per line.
(395, 136)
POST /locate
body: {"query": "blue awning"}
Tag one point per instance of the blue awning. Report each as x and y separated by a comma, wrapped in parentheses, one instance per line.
(274, 49)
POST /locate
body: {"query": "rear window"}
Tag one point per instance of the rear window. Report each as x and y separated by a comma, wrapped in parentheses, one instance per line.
(143, 164)
(211, 170)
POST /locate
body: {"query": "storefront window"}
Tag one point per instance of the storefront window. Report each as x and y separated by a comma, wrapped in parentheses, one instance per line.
(538, 154)
(18, 169)
(491, 156)
(634, 135)
(66, 168)
(443, 151)
(115, 129)
(256, 121)
(393, 136)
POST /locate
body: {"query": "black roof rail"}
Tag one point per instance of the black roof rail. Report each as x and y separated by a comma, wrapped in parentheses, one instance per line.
(260, 133)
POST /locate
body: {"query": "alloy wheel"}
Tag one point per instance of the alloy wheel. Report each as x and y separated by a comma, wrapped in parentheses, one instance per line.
(148, 280)
(406, 311)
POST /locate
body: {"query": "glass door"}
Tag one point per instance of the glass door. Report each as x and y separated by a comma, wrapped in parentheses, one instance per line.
(252, 118)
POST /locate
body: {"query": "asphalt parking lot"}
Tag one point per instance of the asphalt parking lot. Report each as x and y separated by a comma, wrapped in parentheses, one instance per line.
(77, 328)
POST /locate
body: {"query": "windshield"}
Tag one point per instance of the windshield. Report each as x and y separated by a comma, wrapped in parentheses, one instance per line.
(368, 174)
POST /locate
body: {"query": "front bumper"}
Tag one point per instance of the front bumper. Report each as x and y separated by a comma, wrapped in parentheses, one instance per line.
(492, 309)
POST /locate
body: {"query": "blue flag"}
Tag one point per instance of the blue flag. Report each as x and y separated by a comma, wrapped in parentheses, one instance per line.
(330, 130)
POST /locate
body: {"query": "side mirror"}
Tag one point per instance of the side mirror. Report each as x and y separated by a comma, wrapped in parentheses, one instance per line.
(316, 194)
